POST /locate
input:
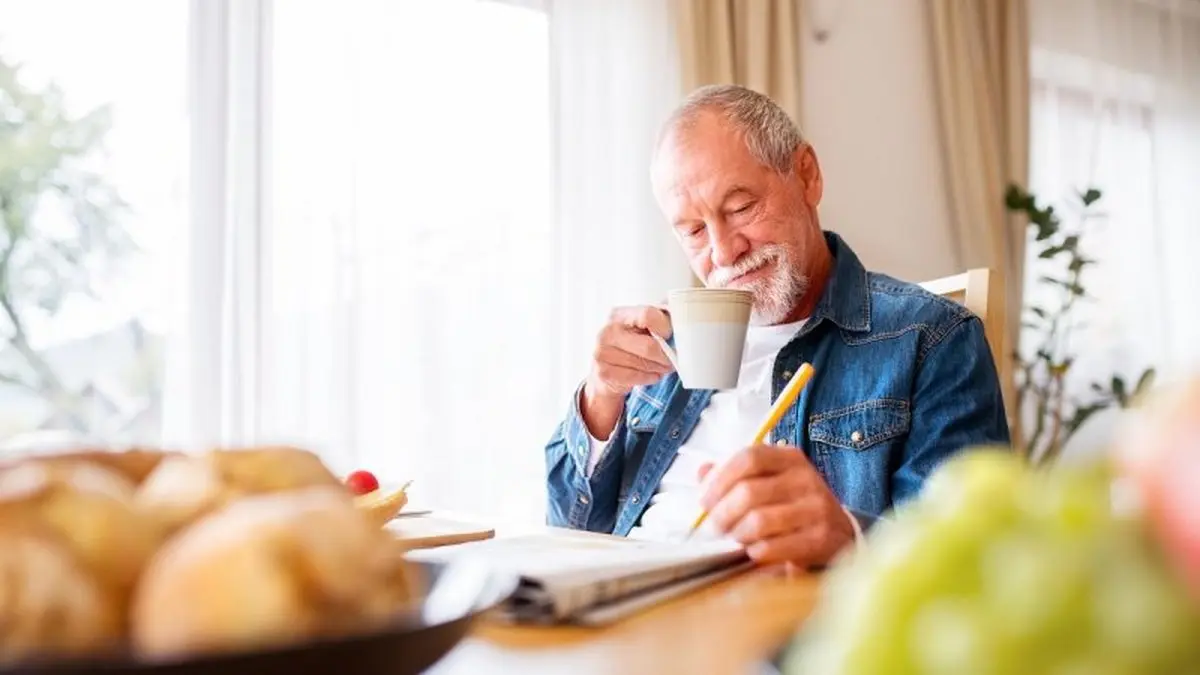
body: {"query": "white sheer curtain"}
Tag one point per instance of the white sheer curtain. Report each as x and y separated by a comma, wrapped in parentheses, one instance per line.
(210, 391)
(1116, 106)
(616, 78)
(415, 216)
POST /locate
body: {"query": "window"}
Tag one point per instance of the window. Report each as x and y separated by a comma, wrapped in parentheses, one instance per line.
(93, 183)
(1083, 137)
(408, 257)
(1115, 105)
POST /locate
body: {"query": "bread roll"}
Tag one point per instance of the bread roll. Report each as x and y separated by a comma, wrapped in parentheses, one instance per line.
(133, 464)
(72, 547)
(271, 469)
(50, 604)
(267, 570)
(90, 508)
(185, 487)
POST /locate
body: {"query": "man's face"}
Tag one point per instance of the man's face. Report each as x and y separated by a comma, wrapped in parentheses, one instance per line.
(741, 224)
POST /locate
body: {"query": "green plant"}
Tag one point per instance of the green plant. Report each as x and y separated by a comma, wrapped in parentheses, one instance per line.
(1042, 373)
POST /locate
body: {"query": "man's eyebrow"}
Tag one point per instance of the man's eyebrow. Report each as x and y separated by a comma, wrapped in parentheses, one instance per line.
(735, 190)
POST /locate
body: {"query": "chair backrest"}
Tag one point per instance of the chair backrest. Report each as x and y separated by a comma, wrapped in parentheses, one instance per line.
(982, 293)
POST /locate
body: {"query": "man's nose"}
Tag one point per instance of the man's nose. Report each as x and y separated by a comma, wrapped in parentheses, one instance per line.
(727, 246)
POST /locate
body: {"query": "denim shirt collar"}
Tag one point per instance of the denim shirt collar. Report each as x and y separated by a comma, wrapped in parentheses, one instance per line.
(846, 299)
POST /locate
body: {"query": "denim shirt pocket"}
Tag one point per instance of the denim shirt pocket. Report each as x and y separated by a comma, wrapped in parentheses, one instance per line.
(853, 447)
(859, 427)
(643, 415)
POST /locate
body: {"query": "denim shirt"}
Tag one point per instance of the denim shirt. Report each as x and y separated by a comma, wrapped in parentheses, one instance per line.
(903, 379)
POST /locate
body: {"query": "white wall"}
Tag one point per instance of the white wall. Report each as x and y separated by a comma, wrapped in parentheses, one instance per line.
(870, 113)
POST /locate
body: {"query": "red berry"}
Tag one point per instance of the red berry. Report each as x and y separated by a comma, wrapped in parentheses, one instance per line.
(362, 482)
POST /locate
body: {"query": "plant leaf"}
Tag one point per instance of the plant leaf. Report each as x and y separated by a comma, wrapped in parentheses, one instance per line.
(1144, 382)
(1015, 198)
(1118, 390)
(1082, 414)
(1091, 196)
(1079, 263)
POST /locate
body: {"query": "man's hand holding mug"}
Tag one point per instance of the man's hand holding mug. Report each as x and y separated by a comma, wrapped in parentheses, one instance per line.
(626, 356)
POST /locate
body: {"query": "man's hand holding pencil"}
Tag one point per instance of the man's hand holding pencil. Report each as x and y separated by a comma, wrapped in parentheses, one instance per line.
(773, 501)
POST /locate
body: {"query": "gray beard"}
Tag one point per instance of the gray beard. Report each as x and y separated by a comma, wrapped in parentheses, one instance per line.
(775, 299)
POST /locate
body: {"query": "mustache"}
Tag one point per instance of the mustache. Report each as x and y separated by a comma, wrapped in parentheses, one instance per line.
(722, 276)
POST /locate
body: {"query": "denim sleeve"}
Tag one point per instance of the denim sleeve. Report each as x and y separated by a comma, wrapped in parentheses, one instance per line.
(956, 404)
(576, 500)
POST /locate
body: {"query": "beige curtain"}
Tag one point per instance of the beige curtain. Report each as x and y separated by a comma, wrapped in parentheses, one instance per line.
(754, 43)
(981, 65)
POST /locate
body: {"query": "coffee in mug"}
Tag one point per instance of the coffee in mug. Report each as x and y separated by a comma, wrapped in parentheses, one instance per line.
(709, 327)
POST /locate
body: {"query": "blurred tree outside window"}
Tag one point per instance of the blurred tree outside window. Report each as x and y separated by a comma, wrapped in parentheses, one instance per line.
(89, 195)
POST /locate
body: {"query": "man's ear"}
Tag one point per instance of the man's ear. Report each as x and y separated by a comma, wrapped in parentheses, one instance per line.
(808, 170)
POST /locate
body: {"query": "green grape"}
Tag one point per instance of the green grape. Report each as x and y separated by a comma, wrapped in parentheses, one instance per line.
(1141, 617)
(1073, 504)
(980, 483)
(1035, 590)
(1090, 665)
(878, 579)
(951, 636)
(998, 569)
(831, 647)
(921, 558)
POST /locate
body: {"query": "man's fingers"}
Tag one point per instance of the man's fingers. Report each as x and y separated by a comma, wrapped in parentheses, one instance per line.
(805, 547)
(613, 355)
(642, 345)
(773, 520)
(634, 341)
(751, 494)
(703, 471)
(623, 379)
(644, 318)
(757, 460)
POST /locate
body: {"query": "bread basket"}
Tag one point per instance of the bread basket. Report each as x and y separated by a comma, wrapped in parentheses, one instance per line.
(383, 505)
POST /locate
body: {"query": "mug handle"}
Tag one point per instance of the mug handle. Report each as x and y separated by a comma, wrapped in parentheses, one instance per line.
(671, 356)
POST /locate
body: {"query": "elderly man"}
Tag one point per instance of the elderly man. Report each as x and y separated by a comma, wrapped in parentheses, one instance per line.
(904, 377)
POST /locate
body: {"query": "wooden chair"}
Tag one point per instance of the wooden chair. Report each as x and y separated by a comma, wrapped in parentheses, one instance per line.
(982, 293)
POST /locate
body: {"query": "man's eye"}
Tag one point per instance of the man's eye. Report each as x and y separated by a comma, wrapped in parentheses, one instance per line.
(695, 231)
(744, 207)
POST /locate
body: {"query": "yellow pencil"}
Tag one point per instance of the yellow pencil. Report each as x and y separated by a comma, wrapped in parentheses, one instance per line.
(786, 398)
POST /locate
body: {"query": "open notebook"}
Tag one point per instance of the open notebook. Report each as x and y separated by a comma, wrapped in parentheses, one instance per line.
(593, 579)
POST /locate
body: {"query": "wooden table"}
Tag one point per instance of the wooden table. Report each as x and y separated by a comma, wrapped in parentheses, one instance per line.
(732, 627)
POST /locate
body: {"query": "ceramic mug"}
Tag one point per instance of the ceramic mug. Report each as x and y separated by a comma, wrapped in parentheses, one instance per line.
(709, 327)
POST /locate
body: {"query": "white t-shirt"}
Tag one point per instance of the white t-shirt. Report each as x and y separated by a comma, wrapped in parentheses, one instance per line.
(726, 425)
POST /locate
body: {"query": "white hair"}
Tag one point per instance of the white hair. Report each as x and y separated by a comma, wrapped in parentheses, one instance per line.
(771, 135)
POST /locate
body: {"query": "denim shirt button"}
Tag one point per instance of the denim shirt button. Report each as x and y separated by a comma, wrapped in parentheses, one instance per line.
(583, 499)
(634, 421)
(634, 498)
(856, 437)
(787, 374)
(675, 432)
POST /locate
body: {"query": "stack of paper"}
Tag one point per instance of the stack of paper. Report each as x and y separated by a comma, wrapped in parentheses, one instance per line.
(592, 579)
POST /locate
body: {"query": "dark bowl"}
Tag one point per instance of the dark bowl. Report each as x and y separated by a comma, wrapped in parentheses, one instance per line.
(418, 638)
